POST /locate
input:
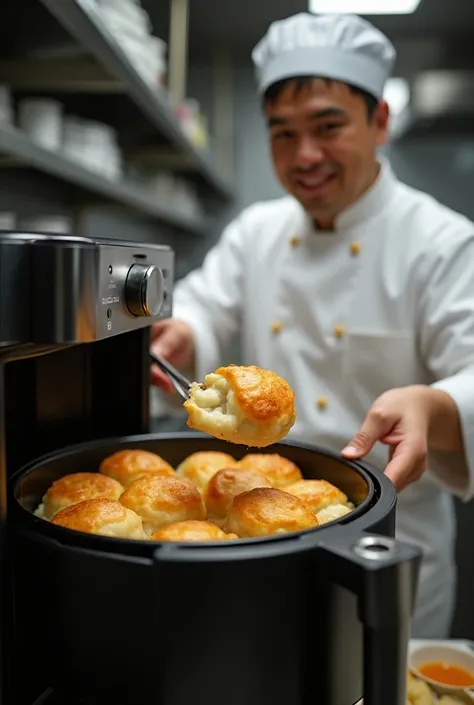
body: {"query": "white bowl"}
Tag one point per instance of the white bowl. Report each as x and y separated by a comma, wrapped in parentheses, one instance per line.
(441, 653)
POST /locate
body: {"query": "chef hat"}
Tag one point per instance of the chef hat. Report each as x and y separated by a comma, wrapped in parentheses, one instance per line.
(344, 48)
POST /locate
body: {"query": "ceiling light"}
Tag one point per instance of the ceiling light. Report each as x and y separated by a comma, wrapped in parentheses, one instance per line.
(365, 7)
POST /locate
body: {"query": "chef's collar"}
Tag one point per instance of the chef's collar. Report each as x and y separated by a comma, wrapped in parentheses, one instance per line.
(368, 206)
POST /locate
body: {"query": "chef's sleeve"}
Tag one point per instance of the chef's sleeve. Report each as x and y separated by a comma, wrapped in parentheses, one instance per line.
(447, 345)
(210, 298)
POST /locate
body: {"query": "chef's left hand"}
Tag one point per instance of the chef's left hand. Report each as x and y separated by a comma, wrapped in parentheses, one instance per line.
(400, 419)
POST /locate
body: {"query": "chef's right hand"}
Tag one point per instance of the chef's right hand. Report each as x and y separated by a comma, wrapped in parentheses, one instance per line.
(173, 340)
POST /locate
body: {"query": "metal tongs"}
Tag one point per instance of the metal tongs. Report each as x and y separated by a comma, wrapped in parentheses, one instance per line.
(181, 383)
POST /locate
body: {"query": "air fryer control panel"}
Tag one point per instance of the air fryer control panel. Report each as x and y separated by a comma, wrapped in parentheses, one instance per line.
(61, 290)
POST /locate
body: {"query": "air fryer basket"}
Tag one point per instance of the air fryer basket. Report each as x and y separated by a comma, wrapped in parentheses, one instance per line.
(356, 554)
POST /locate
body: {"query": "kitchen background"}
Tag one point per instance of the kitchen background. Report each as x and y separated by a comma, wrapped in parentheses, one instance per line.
(140, 121)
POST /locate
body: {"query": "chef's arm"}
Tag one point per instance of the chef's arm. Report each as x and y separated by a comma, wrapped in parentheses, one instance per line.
(445, 429)
(447, 345)
(210, 299)
(433, 425)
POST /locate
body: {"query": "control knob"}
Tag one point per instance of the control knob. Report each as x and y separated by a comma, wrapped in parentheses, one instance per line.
(144, 290)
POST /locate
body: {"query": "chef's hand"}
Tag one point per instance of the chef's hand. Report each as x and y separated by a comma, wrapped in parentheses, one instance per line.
(408, 420)
(174, 340)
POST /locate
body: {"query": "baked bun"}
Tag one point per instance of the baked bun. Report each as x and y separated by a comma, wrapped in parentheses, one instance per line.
(244, 405)
(163, 500)
(280, 471)
(201, 466)
(192, 531)
(265, 511)
(128, 465)
(333, 512)
(319, 494)
(105, 517)
(225, 485)
(78, 487)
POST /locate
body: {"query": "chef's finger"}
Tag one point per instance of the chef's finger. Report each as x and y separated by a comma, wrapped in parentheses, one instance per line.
(376, 426)
(160, 379)
(157, 329)
(408, 462)
(167, 344)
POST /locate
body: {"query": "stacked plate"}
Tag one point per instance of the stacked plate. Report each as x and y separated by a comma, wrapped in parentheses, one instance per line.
(130, 26)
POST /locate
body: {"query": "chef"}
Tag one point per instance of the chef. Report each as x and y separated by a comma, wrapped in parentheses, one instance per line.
(354, 287)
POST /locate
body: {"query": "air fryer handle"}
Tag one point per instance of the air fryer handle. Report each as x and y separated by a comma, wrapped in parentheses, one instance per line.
(383, 573)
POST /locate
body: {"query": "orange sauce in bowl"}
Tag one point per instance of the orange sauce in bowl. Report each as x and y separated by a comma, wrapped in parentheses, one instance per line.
(447, 674)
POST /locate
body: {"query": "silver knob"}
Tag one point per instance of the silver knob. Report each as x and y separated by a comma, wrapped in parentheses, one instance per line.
(144, 290)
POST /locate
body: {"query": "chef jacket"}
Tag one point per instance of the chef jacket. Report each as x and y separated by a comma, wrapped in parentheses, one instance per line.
(384, 300)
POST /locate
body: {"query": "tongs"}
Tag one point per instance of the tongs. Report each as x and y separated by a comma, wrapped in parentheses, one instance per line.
(181, 383)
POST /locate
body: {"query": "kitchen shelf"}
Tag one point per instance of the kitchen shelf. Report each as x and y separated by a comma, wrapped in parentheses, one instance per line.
(20, 150)
(83, 20)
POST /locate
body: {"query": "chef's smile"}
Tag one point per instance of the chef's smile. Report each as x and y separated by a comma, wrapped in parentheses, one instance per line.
(324, 137)
(316, 183)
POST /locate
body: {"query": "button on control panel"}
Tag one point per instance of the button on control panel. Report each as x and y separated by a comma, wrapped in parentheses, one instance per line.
(144, 289)
(136, 287)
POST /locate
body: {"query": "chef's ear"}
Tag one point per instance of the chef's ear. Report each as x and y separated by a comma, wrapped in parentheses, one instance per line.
(381, 119)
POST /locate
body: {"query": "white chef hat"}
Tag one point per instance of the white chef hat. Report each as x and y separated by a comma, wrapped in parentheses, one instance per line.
(341, 47)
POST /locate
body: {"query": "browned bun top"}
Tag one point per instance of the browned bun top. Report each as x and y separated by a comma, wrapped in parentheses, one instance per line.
(163, 500)
(226, 484)
(77, 487)
(199, 467)
(279, 470)
(317, 493)
(266, 511)
(261, 395)
(128, 465)
(192, 531)
(106, 517)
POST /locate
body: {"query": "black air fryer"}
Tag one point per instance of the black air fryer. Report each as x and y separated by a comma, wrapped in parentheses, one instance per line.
(318, 616)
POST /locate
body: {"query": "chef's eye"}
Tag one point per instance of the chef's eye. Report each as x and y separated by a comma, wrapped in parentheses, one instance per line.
(329, 127)
(283, 135)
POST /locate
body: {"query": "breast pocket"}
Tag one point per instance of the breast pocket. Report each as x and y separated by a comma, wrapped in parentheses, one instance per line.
(376, 362)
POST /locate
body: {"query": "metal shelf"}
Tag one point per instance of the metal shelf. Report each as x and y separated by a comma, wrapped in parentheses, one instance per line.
(18, 146)
(83, 20)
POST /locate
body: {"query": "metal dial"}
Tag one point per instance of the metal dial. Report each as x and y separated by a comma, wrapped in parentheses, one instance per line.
(144, 290)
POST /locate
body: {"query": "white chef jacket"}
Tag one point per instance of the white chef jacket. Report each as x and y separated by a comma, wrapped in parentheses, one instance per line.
(383, 301)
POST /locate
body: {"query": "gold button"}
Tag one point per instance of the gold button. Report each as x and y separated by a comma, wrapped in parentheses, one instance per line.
(295, 241)
(355, 248)
(339, 330)
(277, 327)
(322, 402)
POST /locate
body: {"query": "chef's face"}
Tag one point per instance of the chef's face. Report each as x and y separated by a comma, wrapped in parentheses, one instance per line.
(324, 141)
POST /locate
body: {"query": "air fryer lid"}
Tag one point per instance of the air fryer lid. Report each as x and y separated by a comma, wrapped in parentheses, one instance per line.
(379, 570)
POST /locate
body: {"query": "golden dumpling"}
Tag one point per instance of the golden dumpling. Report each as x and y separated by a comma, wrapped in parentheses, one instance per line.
(319, 494)
(225, 485)
(266, 511)
(245, 405)
(280, 471)
(163, 500)
(199, 467)
(192, 531)
(77, 487)
(125, 466)
(105, 517)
